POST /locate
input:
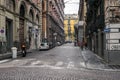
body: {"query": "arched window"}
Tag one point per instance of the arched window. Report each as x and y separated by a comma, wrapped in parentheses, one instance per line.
(43, 5)
(31, 15)
(10, 4)
(22, 11)
(37, 19)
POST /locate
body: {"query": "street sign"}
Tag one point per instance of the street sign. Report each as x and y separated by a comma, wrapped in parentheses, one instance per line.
(106, 30)
(2, 31)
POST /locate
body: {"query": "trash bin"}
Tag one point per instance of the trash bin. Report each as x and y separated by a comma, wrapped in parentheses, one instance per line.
(14, 52)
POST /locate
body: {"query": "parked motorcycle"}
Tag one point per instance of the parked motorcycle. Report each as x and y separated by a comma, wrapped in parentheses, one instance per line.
(23, 48)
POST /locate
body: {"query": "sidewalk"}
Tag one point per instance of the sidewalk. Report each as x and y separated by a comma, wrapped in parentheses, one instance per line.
(92, 61)
(9, 54)
(5, 55)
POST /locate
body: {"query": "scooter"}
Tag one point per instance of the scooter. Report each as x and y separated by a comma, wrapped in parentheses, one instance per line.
(23, 50)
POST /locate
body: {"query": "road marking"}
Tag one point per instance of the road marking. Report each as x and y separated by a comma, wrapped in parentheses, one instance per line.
(52, 67)
(70, 65)
(83, 64)
(36, 62)
(67, 47)
(3, 61)
(59, 63)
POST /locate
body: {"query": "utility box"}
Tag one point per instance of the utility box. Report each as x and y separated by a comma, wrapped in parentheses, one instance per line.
(14, 52)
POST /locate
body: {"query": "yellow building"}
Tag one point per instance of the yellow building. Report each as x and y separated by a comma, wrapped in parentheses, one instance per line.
(69, 21)
(82, 16)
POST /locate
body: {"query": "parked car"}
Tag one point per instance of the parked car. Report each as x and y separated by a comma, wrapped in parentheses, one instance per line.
(68, 41)
(58, 43)
(44, 46)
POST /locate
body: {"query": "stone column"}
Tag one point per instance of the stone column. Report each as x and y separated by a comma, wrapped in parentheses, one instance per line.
(95, 42)
(99, 42)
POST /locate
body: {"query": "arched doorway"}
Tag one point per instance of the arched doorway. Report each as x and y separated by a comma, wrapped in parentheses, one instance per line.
(30, 29)
(21, 24)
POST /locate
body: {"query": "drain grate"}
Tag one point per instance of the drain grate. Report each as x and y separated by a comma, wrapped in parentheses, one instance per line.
(51, 55)
(114, 66)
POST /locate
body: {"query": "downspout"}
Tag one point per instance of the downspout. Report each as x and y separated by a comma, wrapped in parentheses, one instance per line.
(47, 18)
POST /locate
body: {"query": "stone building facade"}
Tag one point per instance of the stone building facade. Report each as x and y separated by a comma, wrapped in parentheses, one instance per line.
(94, 24)
(69, 21)
(112, 31)
(80, 27)
(20, 21)
(102, 28)
(53, 21)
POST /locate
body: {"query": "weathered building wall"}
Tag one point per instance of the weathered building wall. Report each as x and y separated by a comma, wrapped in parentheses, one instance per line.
(69, 21)
(112, 38)
(53, 21)
(16, 19)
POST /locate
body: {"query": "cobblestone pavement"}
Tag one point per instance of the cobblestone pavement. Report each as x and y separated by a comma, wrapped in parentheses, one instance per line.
(37, 73)
(61, 63)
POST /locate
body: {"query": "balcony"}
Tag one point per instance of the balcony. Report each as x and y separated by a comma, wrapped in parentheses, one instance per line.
(114, 16)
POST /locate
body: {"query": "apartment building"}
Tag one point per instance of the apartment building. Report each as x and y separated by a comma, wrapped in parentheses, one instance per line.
(80, 27)
(102, 28)
(112, 31)
(53, 22)
(20, 21)
(69, 22)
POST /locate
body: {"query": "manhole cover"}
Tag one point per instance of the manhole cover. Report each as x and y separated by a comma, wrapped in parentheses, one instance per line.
(51, 55)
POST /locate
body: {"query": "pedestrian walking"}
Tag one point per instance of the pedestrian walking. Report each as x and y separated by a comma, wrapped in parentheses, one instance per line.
(82, 45)
(85, 45)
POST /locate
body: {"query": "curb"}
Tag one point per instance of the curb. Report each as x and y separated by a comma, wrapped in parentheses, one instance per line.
(101, 60)
(9, 54)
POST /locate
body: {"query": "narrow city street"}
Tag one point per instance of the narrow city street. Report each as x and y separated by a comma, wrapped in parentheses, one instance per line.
(66, 56)
(59, 40)
(65, 62)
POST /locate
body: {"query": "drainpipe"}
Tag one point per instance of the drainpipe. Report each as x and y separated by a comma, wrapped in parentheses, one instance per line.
(47, 19)
(99, 42)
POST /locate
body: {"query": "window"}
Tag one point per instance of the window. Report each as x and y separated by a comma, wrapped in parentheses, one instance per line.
(10, 5)
(37, 19)
(119, 29)
(31, 15)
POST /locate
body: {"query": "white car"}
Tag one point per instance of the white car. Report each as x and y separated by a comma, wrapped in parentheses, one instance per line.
(44, 46)
(58, 43)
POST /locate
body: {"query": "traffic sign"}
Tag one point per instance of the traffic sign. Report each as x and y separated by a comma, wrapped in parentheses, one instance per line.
(2, 31)
(106, 30)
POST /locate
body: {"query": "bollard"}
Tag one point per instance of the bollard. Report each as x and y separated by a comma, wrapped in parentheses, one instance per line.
(14, 52)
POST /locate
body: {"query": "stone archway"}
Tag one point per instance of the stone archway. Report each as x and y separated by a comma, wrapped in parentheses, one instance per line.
(31, 29)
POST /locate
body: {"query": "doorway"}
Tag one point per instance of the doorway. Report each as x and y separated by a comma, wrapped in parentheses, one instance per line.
(21, 31)
(9, 34)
